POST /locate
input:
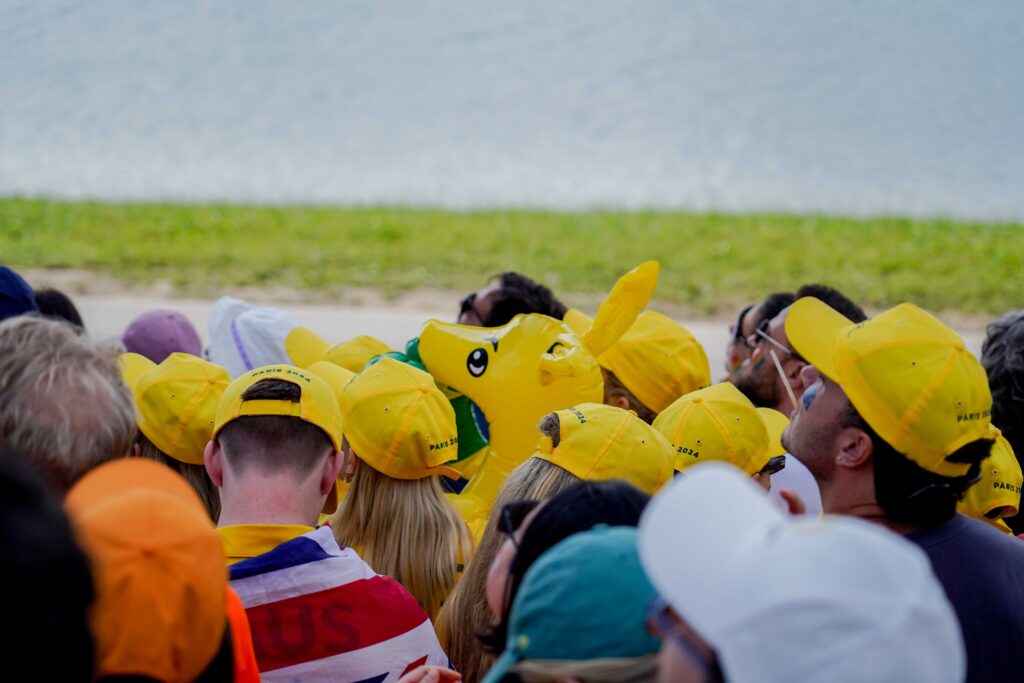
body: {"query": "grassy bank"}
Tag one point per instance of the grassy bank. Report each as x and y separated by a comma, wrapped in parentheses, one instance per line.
(710, 262)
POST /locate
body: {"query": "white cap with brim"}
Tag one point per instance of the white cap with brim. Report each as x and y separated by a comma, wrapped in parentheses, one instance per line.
(783, 598)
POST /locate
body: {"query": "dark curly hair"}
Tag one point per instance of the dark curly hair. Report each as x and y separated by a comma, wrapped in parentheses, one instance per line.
(520, 294)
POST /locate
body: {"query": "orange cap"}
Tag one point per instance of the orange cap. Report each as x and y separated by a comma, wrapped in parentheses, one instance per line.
(159, 570)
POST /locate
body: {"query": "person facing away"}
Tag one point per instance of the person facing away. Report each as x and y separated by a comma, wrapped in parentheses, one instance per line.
(317, 611)
(1002, 355)
(399, 433)
(63, 404)
(894, 425)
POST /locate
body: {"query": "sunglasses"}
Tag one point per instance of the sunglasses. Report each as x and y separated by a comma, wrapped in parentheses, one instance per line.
(468, 305)
(662, 624)
(512, 516)
(761, 335)
(737, 332)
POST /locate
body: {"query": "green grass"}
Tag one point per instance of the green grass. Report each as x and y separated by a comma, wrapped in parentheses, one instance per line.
(710, 262)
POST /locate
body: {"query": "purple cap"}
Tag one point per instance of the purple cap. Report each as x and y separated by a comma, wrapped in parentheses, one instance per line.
(158, 334)
(16, 297)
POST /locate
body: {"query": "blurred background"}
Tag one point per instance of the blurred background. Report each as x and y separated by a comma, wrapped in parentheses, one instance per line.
(853, 106)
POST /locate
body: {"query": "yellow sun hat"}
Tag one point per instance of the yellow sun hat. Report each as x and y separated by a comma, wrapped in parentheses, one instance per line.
(599, 442)
(720, 423)
(908, 375)
(176, 401)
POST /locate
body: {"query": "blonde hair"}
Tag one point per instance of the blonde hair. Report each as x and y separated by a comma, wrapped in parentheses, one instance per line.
(642, 669)
(195, 475)
(466, 613)
(406, 530)
(63, 404)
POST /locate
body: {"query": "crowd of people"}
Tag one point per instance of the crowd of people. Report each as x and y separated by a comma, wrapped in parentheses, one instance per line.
(843, 506)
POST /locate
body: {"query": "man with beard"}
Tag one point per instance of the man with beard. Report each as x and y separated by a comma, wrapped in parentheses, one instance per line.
(761, 380)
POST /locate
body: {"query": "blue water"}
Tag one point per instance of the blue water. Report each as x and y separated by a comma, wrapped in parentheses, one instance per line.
(848, 106)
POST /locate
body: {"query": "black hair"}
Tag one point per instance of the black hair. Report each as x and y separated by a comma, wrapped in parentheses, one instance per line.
(774, 303)
(835, 299)
(578, 508)
(48, 581)
(1002, 355)
(56, 305)
(909, 493)
(519, 294)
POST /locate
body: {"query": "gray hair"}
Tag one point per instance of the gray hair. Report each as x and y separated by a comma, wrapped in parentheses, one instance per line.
(63, 403)
(1002, 354)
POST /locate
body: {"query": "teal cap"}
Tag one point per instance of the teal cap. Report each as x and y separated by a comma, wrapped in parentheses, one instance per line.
(585, 598)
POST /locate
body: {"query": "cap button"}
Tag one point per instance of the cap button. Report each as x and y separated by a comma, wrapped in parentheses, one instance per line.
(148, 548)
(698, 399)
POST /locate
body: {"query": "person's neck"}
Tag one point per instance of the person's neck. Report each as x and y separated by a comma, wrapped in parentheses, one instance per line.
(873, 512)
(267, 503)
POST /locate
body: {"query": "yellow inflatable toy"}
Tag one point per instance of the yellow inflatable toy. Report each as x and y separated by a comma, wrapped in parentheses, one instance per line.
(524, 370)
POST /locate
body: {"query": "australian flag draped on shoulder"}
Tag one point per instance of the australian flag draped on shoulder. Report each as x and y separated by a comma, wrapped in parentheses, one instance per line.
(319, 613)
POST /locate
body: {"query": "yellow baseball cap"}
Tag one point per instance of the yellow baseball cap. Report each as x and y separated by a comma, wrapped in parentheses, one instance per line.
(398, 421)
(598, 442)
(657, 359)
(907, 374)
(305, 347)
(317, 405)
(720, 423)
(999, 487)
(176, 400)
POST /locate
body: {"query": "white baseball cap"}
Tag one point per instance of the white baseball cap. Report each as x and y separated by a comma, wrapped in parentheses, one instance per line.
(244, 337)
(784, 598)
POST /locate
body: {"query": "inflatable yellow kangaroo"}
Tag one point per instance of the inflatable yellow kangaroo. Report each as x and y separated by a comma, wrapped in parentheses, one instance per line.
(527, 368)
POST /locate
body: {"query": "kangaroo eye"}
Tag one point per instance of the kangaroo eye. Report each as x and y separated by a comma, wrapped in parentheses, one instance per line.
(476, 363)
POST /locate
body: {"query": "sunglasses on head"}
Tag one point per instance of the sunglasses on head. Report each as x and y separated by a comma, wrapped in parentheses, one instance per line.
(512, 516)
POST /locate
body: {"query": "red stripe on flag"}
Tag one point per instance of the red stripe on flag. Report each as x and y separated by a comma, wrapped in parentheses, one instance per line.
(331, 622)
(419, 662)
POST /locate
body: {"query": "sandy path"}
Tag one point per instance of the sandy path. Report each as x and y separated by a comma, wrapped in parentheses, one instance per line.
(107, 315)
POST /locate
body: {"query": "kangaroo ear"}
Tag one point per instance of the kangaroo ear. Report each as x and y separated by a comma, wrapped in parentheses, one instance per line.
(565, 359)
(618, 312)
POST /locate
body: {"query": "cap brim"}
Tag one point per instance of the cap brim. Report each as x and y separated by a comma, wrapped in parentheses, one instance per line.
(813, 327)
(506, 661)
(133, 367)
(692, 534)
(776, 423)
(305, 347)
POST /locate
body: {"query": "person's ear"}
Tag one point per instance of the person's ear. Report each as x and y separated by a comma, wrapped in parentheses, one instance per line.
(854, 448)
(621, 401)
(213, 458)
(332, 466)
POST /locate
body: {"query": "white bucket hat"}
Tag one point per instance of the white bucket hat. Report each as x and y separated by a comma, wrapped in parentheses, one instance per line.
(244, 337)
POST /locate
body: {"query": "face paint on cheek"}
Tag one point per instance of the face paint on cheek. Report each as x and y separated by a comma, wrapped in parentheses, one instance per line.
(759, 358)
(809, 396)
